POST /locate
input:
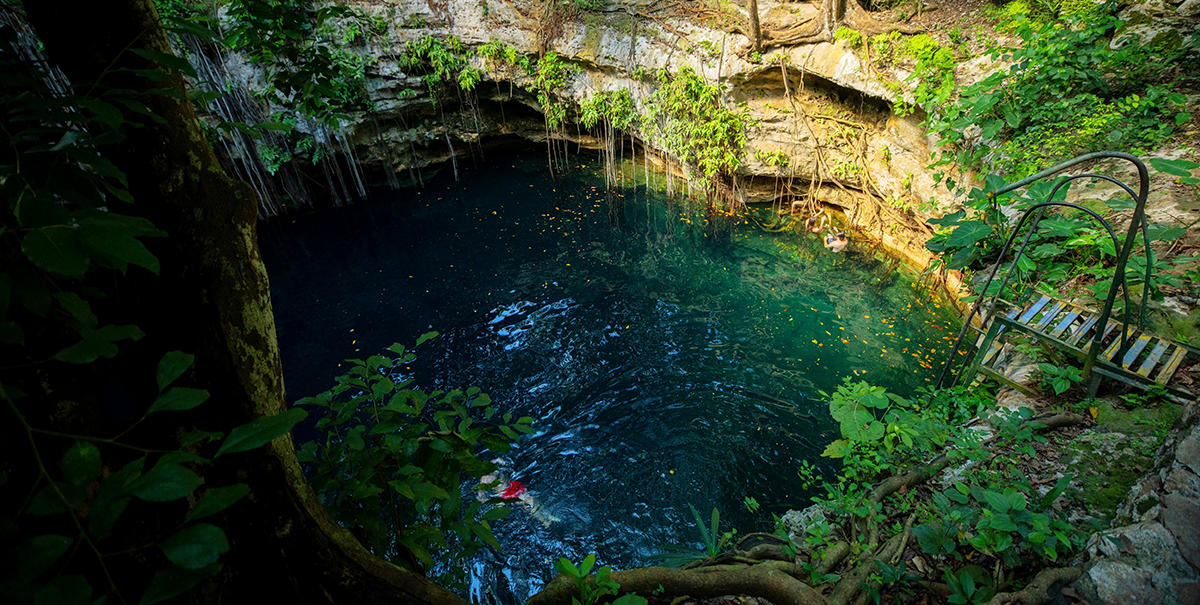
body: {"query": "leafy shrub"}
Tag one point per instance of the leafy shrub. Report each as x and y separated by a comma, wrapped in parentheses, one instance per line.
(691, 122)
(390, 461)
(1066, 91)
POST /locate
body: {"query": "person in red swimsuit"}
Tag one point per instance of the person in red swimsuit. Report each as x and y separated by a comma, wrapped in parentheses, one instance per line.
(508, 489)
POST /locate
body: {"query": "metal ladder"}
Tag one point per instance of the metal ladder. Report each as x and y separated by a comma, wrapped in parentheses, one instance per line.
(1129, 354)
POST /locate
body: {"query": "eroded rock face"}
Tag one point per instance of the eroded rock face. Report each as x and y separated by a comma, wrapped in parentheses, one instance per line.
(1155, 557)
(814, 103)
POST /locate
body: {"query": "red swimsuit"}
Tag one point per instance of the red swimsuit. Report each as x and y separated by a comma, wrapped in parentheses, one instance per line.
(515, 489)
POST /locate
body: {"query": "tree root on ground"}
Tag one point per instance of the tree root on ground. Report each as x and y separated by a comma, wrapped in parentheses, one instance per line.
(775, 581)
(758, 565)
(1038, 591)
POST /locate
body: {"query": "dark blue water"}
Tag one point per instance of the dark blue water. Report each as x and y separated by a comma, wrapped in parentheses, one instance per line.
(663, 367)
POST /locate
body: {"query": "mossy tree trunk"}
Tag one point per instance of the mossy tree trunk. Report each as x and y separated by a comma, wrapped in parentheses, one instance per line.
(211, 299)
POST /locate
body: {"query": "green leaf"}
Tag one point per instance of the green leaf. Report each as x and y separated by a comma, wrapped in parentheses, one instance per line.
(260, 432)
(116, 248)
(424, 492)
(175, 581)
(279, 126)
(585, 567)
(426, 336)
(67, 589)
(218, 499)
(196, 546)
(837, 449)
(998, 502)
(499, 512)
(630, 599)
(171, 367)
(1161, 233)
(164, 483)
(193, 437)
(47, 501)
(967, 233)
(81, 463)
(78, 308)
(178, 399)
(999, 522)
(97, 344)
(874, 399)
(11, 333)
(112, 499)
(1174, 167)
(862, 426)
(56, 249)
(566, 567)
(37, 554)
(1016, 500)
(166, 60)
(963, 258)
(1056, 491)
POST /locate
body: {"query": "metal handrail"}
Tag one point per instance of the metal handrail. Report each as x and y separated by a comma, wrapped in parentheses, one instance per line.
(1138, 220)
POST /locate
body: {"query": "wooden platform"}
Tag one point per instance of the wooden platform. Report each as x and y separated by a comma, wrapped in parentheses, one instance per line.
(1141, 359)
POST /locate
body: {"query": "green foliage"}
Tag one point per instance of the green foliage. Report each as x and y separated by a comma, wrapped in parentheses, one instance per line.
(442, 64)
(595, 592)
(1179, 168)
(1154, 393)
(890, 577)
(274, 157)
(1066, 91)
(306, 72)
(711, 538)
(1060, 378)
(506, 56)
(85, 505)
(390, 461)
(852, 38)
(870, 416)
(691, 122)
(551, 73)
(963, 589)
(934, 72)
(613, 107)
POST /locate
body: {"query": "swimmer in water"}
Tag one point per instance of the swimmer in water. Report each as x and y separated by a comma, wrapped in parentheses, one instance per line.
(816, 222)
(514, 490)
(837, 242)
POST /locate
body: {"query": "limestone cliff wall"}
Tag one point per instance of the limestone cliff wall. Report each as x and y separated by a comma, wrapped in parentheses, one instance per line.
(819, 104)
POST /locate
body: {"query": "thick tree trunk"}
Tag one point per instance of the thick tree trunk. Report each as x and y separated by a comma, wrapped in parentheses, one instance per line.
(212, 300)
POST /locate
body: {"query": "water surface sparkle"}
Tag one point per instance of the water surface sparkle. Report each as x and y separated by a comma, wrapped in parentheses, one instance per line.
(663, 368)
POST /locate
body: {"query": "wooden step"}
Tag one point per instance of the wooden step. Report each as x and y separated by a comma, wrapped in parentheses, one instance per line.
(1152, 359)
(1172, 364)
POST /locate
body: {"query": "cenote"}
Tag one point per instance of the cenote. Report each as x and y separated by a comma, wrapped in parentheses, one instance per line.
(663, 368)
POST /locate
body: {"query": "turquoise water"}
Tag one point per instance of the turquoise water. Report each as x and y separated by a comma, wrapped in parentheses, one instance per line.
(664, 368)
